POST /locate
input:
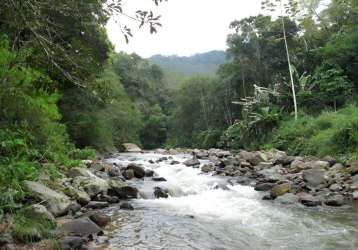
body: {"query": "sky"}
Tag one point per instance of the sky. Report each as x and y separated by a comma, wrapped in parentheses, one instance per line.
(189, 26)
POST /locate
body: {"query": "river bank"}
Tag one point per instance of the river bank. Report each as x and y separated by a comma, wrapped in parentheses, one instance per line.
(130, 192)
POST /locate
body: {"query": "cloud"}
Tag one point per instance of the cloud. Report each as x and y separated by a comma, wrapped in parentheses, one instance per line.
(189, 26)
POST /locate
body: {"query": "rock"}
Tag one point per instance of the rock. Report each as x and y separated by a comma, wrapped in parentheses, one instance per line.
(192, 162)
(253, 158)
(298, 165)
(100, 219)
(92, 184)
(281, 189)
(56, 203)
(71, 242)
(272, 174)
(267, 197)
(222, 154)
(5, 239)
(274, 154)
(79, 195)
(139, 171)
(287, 198)
(158, 179)
(107, 198)
(128, 174)
(331, 160)
(207, 168)
(353, 167)
(126, 206)
(321, 164)
(97, 204)
(175, 162)
(82, 227)
(160, 151)
(75, 172)
(123, 191)
(87, 163)
(264, 186)
(337, 167)
(336, 187)
(160, 193)
(130, 147)
(309, 200)
(173, 152)
(40, 212)
(335, 200)
(314, 177)
(355, 195)
(113, 171)
(285, 160)
(149, 173)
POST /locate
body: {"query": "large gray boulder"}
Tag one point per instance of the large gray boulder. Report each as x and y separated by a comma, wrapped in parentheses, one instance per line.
(192, 162)
(138, 171)
(56, 202)
(91, 184)
(119, 188)
(82, 227)
(130, 147)
(314, 177)
(79, 195)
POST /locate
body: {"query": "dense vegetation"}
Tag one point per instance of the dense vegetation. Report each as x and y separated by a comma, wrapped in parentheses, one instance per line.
(65, 94)
(198, 64)
(250, 103)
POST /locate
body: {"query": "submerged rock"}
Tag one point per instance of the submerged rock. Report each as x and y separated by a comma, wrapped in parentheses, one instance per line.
(126, 206)
(100, 219)
(159, 179)
(160, 192)
(139, 171)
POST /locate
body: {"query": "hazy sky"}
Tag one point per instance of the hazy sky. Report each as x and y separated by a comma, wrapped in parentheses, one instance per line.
(189, 26)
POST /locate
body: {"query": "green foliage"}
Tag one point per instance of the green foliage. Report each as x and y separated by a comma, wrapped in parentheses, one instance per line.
(328, 134)
(27, 228)
(154, 131)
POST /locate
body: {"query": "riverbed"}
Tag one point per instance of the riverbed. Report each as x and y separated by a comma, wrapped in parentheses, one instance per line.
(207, 212)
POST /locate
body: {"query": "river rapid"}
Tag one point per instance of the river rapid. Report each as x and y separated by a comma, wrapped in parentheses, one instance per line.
(206, 212)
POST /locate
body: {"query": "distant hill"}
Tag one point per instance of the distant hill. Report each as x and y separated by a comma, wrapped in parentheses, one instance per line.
(198, 64)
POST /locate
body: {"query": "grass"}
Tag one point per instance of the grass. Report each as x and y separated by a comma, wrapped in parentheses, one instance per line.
(331, 133)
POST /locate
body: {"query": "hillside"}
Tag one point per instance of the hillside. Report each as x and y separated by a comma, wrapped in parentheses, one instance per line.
(198, 64)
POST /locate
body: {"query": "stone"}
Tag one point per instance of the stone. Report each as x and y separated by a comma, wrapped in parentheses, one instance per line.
(97, 204)
(40, 212)
(309, 200)
(175, 162)
(337, 167)
(254, 158)
(281, 189)
(82, 227)
(353, 167)
(113, 171)
(126, 206)
(107, 198)
(120, 189)
(130, 147)
(298, 165)
(355, 195)
(264, 186)
(285, 160)
(336, 187)
(334, 201)
(100, 219)
(79, 195)
(314, 177)
(331, 160)
(272, 174)
(71, 242)
(139, 171)
(267, 197)
(87, 163)
(158, 179)
(160, 193)
(192, 162)
(5, 239)
(207, 168)
(75, 172)
(149, 173)
(91, 184)
(321, 164)
(287, 198)
(128, 174)
(56, 203)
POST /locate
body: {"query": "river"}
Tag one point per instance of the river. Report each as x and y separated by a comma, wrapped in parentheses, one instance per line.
(197, 215)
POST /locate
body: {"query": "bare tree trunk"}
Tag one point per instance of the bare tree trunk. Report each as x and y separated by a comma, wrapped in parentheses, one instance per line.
(289, 63)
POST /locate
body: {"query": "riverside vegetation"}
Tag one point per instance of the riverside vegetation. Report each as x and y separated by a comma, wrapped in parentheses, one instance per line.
(66, 97)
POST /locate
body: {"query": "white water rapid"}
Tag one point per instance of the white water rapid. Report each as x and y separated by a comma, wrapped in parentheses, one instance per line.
(199, 216)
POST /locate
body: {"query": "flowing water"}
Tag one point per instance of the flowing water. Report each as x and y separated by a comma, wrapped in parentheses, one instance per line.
(199, 216)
